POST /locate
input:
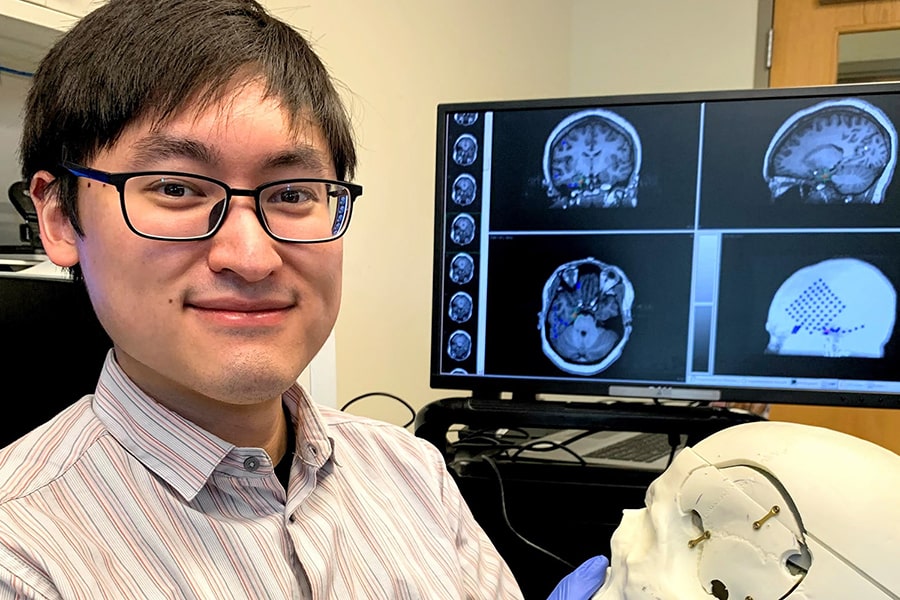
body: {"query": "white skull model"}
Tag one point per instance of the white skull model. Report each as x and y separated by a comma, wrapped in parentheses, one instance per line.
(592, 158)
(836, 152)
(764, 511)
(585, 321)
(834, 308)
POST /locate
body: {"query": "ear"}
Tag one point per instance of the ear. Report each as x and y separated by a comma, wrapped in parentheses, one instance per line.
(57, 233)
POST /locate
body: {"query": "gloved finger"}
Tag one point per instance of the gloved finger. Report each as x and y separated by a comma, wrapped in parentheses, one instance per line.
(583, 582)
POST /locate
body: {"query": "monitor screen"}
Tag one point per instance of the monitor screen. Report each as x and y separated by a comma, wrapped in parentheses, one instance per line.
(730, 246)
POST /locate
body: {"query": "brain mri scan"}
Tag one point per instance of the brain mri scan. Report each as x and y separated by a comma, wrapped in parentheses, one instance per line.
(836, 152)
(462, 267)
(464, 189)
(835, 308)
(585, 321)
(462, 230)
(459, 346)
(592, 158)
(465, 118)
(465, 150)
(461, 307)
(764, 511)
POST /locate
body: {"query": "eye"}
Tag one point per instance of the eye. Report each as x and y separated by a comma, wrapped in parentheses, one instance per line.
(173, 188)
(290, 195)
(295, 193)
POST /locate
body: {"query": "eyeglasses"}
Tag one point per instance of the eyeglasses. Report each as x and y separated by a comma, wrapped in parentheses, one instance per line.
(181, 207)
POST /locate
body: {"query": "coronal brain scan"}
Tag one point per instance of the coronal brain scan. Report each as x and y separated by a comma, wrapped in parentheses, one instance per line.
(465, 118)
(464, 189)
(462, 267)
(461, 307)
(837, 152)
(835, 308)
(459, 346)
(585, 321)
(465, 150)
(592, 158)
(462, 230)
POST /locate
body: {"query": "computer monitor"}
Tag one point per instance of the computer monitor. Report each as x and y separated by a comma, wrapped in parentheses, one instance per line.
(716, 246)
(52, 348)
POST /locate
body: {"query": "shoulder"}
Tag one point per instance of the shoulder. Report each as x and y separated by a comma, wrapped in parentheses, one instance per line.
(367, 440)
(46, 453)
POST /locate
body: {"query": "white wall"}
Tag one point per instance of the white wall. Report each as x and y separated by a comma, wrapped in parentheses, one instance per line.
(400, 58)
(647, 46)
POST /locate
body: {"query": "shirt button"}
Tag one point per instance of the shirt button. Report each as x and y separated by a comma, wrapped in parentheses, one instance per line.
(251, 463)
(312, 450)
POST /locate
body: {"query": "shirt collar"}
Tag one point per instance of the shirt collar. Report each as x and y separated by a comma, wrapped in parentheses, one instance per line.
(177, 450)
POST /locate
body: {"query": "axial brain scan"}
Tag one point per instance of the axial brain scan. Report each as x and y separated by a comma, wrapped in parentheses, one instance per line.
(464, 189)
(592, 159)
(585, 321)
(462, 230)
(836, 152)
(459, 346)
(835, 308)
(764, 511)
(466, 118)
(462, 267)
(465, 150)
(461, 307)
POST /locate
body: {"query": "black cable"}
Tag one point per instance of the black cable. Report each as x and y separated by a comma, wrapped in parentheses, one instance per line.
(674, 443)
(15, 72)
(493, 465)
(392, 396)
(536, 446)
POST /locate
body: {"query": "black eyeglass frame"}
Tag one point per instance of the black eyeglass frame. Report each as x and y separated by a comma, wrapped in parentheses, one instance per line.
(118, 181)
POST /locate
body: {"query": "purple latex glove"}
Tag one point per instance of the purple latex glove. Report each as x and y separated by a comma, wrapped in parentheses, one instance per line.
(583, 582)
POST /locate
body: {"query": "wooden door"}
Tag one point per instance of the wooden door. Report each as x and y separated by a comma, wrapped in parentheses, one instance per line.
(805, 52)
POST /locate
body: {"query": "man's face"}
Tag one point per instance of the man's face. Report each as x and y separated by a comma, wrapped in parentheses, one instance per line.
(233, 319)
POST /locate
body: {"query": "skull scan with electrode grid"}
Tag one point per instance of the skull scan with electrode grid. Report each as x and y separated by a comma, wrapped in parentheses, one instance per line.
(835, 308)
(764, 511)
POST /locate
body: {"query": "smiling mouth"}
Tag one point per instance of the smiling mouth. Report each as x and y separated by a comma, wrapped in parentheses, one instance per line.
(239, 314)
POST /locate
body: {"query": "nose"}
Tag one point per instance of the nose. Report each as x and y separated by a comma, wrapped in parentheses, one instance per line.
(241, 245)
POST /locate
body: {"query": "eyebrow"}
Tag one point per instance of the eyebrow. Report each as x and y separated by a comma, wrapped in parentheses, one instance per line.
(154, 148)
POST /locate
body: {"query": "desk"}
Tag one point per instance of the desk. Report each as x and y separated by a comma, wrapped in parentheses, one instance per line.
(568, 510)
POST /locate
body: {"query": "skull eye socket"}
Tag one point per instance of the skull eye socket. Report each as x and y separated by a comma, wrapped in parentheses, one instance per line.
(697, 520)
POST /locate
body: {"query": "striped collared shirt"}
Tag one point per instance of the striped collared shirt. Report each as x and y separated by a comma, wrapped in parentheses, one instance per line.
(118, 497)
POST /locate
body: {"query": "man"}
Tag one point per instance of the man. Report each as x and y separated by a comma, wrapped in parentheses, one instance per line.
(188, 158)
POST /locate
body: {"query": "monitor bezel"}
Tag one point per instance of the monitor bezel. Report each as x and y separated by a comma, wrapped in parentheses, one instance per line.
(498, 386)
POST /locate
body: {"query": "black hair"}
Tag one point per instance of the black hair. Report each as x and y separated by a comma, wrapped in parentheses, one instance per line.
(150, 59)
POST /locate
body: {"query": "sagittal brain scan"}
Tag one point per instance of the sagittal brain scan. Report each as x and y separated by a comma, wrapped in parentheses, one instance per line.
(465, 150)
(462, 230)
(462, 267)
(461, 307)
(836, 152)
(459, 346)
(592, 158)
(464, 189)
(465, 118)
(585, 321)
(836, 308)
